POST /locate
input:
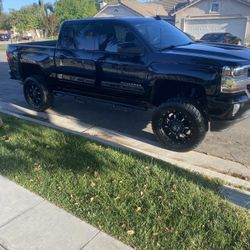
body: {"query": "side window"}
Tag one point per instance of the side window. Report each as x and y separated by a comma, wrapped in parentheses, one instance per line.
(66, 40)
(87, 36)
(114, 34)
(215, 6)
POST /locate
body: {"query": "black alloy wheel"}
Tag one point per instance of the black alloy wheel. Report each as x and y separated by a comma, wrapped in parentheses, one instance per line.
(179, 125)
(37, 94)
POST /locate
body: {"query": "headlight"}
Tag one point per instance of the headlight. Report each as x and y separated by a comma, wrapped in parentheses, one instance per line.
(234, 80)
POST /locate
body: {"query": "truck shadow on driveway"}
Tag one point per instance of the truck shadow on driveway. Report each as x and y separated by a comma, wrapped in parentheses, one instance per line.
(98, 113)
(237, 197)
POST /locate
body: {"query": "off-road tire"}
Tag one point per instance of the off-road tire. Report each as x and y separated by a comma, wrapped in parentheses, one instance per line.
(192, 115)
(46, 94)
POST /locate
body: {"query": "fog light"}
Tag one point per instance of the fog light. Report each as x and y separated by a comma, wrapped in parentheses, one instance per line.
(236, 109)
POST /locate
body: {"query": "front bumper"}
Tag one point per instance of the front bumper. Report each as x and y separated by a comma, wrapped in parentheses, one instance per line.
(227, 110)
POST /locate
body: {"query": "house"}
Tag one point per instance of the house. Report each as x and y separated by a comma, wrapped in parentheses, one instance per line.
(123, 8)
(172, 5)
(199, 17)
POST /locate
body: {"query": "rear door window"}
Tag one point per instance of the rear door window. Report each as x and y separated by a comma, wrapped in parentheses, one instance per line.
(87, 36)
(66, 39)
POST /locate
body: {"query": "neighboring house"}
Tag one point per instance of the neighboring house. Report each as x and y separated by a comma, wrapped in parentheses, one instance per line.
(172, 5)
(199, 17)
(123, 8)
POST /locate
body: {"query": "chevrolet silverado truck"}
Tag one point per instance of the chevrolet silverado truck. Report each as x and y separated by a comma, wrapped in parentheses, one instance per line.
(193, 87)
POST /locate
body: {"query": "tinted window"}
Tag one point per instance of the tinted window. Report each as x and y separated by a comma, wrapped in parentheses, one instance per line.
(161, 34)
(114, 34)
(66, 40)
(87, 36)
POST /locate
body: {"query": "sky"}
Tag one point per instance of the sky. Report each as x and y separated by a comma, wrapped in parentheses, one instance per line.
(17, 4)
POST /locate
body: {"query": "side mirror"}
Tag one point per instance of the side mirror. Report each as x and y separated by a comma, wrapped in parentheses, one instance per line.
(130, 49)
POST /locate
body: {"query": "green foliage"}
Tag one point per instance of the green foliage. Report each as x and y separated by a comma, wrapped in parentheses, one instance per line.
(5, 22)
(48, 19)
(74, 9)
(36, 16)
(46, 16)
(1, 7)
(3, 47)
(25, 19)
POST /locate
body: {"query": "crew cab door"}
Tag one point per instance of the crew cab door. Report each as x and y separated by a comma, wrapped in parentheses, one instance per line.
(74, 56)
(122, 75)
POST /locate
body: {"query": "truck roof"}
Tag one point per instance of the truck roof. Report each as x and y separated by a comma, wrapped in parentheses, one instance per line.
(123, 19)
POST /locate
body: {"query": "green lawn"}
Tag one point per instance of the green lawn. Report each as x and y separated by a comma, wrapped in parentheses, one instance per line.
(3, 47)
(143, 202)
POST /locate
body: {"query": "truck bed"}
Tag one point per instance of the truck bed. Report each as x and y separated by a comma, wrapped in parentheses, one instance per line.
(50, 43)
(41, 54)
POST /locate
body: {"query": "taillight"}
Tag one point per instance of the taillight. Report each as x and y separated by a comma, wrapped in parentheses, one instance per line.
(9, 56)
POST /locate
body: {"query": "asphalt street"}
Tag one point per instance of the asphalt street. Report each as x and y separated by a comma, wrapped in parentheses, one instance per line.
(232, 144)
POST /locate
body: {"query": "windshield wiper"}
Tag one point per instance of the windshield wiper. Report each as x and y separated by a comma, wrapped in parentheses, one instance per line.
(186, 44)
(174, 46)
(169, 47)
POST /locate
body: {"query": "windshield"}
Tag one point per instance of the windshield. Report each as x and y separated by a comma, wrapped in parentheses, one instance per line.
(162, 35)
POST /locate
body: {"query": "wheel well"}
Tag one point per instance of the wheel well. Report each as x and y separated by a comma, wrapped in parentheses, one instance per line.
(30, 69)
(175, 89)
(164, 90)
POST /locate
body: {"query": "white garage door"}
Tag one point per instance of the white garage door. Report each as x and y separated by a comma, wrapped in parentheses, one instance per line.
(199, 27)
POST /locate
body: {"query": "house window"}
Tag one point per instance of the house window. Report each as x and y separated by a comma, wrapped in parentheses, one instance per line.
(215, 6)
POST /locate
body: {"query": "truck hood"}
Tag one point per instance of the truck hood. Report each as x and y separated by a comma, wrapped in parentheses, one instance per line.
(220, 52)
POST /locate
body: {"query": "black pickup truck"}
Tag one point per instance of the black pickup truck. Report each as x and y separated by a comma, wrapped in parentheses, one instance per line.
(192, 86)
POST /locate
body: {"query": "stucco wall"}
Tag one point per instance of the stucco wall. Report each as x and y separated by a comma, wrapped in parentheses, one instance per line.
(233, 7)
(116, 11)
(199, 9)
(202, 9)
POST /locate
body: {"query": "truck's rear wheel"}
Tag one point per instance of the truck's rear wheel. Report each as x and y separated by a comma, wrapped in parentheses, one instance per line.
(179, 125)
(37, 94)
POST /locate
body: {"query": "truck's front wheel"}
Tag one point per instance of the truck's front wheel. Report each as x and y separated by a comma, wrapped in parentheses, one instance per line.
(179, 125)
(37, 94)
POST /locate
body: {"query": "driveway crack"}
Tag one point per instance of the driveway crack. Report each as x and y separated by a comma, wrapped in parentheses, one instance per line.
(90, 240)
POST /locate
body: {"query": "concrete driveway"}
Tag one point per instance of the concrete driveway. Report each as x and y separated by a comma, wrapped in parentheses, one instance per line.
(232, 144)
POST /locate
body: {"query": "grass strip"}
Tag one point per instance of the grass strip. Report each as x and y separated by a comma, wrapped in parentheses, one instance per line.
(3, 47)
(141, 201)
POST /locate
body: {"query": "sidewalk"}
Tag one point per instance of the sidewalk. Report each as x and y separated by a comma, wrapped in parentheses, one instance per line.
(29, 222)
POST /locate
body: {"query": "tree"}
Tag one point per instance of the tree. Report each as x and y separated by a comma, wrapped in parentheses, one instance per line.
(74, 9)
(5, 22)
(1, 7)
(48, 19)
(25, 19)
